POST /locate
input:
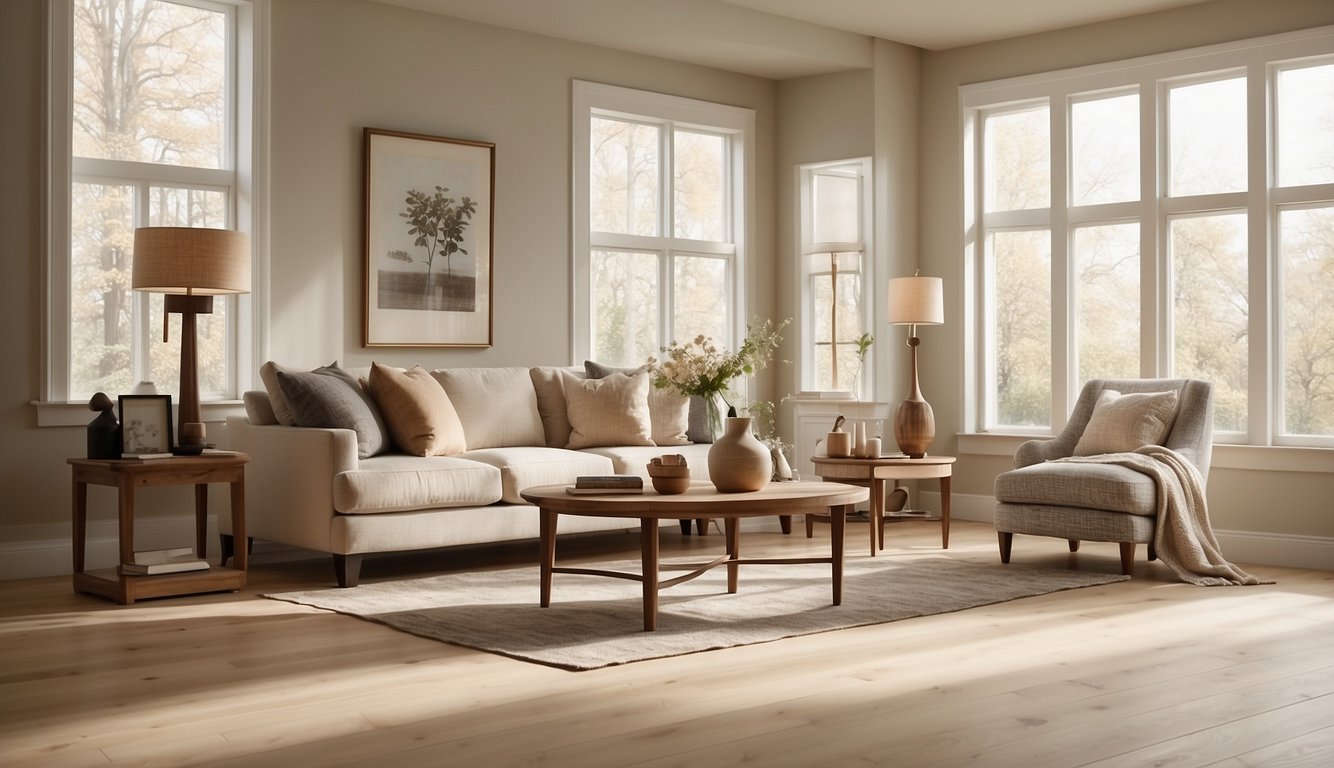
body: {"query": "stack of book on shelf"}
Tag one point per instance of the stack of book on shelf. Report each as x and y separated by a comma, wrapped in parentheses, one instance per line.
(159, 561)
(599, 485)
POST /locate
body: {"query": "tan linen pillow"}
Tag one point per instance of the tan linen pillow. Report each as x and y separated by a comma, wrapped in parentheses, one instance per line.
(668, 410)
(607, 411)
(1123, 423)
(421, 419)
(551, 403)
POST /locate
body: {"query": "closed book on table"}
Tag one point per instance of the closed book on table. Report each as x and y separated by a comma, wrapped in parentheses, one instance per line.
(609, 481)
(159, 561)
(575, 490)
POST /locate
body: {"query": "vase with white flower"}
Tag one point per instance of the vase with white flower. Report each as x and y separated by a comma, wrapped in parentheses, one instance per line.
(700, 368)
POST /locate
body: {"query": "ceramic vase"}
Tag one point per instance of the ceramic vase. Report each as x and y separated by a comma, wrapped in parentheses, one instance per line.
(738, 461)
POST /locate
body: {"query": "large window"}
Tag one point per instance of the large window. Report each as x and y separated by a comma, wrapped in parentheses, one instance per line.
(834, 274)
(147, 100)
(660, 193)
(1170, 216)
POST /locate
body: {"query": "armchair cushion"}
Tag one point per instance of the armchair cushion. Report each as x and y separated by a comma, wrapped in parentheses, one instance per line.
(1122, 423)
(1106, 487)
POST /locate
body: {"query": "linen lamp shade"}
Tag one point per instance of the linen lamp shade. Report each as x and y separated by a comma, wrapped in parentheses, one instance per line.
(916, 301)
(191, 261)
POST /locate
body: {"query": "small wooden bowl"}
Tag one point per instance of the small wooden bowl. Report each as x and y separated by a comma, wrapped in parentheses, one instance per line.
(669, 480)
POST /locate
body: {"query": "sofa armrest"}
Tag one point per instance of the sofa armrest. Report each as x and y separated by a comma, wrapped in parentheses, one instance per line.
(289, 480)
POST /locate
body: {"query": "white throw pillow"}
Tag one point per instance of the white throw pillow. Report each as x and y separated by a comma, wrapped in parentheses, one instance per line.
(1122, 423)
(607, 411)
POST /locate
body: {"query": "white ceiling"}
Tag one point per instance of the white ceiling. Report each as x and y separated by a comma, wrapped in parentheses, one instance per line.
(783, 38)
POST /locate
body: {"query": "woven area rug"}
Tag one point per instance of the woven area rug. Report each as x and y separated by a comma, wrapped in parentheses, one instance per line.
(596, 621)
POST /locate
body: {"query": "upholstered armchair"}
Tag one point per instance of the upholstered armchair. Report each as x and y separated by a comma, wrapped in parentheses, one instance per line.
(1103, 501)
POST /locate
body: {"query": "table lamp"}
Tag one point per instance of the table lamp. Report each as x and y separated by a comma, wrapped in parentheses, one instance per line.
(190, 265)
(915, 301)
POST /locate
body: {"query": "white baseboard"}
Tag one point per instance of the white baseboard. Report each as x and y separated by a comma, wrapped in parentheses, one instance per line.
(1248, 547)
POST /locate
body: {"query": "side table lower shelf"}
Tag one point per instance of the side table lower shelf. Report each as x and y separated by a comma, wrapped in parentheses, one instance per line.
(127, 476)
(107, 582)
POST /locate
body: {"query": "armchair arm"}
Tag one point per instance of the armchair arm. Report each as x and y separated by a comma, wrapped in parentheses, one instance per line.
(1038, 451)
(289, 480)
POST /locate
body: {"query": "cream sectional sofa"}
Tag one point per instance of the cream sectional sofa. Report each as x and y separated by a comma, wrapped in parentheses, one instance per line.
(309, 487)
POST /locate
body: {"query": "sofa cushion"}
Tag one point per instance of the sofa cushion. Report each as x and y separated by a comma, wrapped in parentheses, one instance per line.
(258, 408)
(268, 373)
(1123, 423)
(329, 397)
(551, 403)
(397, 483)
(498, 406)
(420, 417)
(668, 410)
(1089, 486)
(608, 411)
(526, 467)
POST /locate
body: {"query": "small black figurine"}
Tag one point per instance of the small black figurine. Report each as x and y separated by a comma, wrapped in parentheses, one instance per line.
(103, 431)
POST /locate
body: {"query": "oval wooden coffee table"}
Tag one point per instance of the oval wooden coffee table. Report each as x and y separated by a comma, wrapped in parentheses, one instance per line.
(836, 499)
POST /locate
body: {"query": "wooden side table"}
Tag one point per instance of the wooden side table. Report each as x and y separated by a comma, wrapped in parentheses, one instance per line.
(128, 475)
(875, 472)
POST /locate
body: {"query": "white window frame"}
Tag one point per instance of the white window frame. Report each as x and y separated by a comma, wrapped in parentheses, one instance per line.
(1259, 60)
(248, 144)
(806, 356)
(735, 123)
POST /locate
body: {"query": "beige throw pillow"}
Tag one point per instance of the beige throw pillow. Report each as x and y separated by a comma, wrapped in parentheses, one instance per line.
(498, 406)
(607, 411)
(421, 419)
(668, 410)
(1122, 423)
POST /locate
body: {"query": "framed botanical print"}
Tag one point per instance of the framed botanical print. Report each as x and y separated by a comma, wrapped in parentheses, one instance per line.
(428, 250)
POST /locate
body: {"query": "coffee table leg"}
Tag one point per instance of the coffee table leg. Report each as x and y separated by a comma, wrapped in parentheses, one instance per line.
(733, 530)
(548, 545)
(648, 547)
(837, 516)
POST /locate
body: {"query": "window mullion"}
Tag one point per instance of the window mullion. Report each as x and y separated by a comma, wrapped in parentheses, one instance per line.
(1266, 336)
(1152, 274)
(1063, 276)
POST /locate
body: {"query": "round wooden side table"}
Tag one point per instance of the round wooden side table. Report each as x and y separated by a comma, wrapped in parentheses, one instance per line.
(875, 472)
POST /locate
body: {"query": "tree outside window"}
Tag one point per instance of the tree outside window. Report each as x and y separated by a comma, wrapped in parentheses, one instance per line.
(152, 146)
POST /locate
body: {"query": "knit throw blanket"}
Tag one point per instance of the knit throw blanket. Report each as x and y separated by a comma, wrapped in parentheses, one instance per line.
(1183, 538)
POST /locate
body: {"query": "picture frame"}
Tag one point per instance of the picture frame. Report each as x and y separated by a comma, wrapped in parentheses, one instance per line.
(429, 204)
(145, 424)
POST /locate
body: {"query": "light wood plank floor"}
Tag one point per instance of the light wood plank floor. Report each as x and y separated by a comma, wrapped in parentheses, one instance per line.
(1140, 673)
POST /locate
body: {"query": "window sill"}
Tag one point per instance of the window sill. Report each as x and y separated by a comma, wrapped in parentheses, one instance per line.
(50, 414)
(1255, 457)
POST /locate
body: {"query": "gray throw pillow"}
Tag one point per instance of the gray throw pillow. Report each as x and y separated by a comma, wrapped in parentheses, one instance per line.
(331, 398)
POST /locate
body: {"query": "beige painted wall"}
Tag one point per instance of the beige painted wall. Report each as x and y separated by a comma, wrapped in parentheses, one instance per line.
(1289, 504)
(337, 66)
(823, 118)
